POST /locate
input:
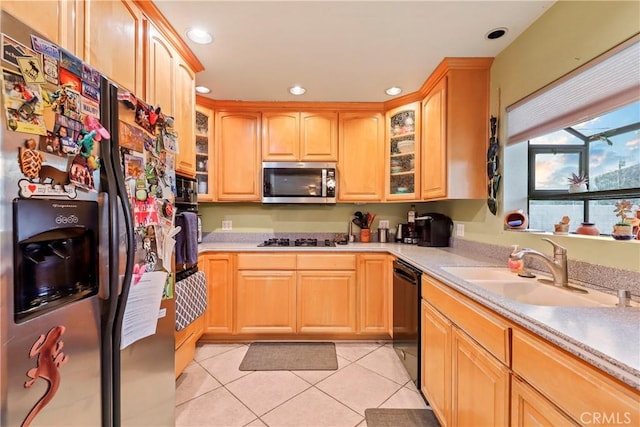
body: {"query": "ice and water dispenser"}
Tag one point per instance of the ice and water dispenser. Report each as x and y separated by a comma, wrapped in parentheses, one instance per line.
(55, 254)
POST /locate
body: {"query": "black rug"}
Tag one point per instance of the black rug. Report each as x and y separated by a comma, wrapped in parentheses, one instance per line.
(290, 356)
(391, 417)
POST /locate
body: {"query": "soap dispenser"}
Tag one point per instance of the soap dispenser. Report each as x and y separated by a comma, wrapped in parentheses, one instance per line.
(515, 265)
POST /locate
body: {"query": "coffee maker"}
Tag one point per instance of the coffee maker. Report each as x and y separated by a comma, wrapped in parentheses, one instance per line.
(434, 229)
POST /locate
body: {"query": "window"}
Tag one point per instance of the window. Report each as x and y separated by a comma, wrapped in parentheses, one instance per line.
(570, 131)
(606, 149)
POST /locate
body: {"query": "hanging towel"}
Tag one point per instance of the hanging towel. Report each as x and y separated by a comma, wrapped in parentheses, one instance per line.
(180, 242)
(190, 237)
(191, 299)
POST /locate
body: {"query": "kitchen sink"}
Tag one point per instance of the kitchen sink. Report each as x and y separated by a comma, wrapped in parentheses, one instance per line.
(502, 282)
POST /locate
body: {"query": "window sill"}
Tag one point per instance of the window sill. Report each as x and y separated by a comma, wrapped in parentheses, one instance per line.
(602, 237)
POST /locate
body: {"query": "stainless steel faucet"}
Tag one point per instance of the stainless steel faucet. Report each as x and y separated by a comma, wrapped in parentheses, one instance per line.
(557, 265)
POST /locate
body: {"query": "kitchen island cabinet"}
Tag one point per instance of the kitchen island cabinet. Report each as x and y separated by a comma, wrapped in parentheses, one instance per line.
(360, 154)
(300, 136)
(455, 129)
(237, 155)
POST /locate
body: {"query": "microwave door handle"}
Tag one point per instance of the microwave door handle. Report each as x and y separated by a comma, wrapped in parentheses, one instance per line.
(324, 183)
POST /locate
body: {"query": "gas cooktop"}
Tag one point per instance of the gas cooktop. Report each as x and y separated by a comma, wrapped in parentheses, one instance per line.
(306, 243)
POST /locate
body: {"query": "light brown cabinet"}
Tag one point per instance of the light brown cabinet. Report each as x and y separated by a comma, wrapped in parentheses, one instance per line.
(219, 271)
(265, 294)
(465, 358)
(113, 41)
(161, 63)
(237, 154)
(300, 136)
(375, 294)
(361, 157)
(402, 163)
(585, 394)
(436, 338)
(480, 385)
(185, 115)
(455, 123)
(204, 154)
(530, 408)
(58, 26)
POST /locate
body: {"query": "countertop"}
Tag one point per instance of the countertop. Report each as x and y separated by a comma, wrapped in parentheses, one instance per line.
(606, 337)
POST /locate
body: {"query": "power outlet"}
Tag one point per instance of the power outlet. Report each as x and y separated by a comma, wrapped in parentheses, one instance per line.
(384, 223)
(227, 225)
(459, 230)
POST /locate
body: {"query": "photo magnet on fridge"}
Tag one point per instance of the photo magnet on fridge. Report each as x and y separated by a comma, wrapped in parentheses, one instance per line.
(12, 49)
(71, 63)
(45, 47)
(23, 104)
(142, 116)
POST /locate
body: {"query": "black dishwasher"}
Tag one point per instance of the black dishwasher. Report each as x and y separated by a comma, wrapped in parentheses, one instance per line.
(406, 317)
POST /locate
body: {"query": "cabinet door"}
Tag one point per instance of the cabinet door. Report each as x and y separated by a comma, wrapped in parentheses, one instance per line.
(113, 41)
(218, 269)
(402, 164)
(374, 294)
(319, 137)
(185, 117)
(33, 14)
(237, 156)
(434, 143)
(436, 362)
(480, 385)
(360, 164)
(266, 302)
(326, 301)
(280, 136)
(204, 154)
(529, 408)
(161, 63)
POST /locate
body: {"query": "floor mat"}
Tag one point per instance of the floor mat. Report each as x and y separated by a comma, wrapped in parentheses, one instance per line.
(290, 356)
(391, 417)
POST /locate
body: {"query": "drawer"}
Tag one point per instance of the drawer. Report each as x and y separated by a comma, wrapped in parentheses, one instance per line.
(318, 261)
(486, 328)
(279, 261)
(578, 388)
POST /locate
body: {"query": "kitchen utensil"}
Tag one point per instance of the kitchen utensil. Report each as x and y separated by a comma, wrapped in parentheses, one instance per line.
(399, 233)
(357, 222)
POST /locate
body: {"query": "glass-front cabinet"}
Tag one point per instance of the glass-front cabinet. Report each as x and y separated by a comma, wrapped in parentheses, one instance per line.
(204, 153)
(403, 146)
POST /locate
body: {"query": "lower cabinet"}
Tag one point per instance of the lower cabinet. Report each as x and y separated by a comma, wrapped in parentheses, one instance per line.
(333, 295)
(479, 369)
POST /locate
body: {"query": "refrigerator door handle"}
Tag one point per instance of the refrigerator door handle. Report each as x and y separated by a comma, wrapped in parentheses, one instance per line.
(104, 290)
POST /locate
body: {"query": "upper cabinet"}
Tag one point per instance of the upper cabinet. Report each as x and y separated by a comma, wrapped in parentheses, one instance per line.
(161, 62)
(237, 153)
(294, 136)
(403, 148)
(455, 129)
(204, 153)
(185, 113)
(361, 156)
(58, 26)
(113, 41)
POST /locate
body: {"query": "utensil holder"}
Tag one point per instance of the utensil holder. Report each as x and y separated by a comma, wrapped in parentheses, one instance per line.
(365, 235)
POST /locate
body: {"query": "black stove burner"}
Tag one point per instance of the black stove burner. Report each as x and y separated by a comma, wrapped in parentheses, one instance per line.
(298, 242)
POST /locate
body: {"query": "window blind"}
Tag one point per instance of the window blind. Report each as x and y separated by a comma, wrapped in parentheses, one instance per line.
(603, 84)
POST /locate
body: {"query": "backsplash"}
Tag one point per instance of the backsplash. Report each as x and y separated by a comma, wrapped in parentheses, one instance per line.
(608, 279)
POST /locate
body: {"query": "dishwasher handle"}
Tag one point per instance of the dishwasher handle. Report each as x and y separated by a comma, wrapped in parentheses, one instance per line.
(406, 273)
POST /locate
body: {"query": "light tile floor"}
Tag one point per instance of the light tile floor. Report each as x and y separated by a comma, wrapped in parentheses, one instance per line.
(212, 391)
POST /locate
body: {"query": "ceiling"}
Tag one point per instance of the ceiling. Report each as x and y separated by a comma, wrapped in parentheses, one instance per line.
(340, 51)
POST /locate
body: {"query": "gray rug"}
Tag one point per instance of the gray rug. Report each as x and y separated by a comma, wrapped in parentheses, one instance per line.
(290, 356)
(380, 417)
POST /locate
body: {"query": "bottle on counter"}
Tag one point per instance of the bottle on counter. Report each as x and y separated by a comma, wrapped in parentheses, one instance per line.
(516, 265)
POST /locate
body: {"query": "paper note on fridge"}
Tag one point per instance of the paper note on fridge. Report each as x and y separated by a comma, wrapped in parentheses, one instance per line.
(141, 313)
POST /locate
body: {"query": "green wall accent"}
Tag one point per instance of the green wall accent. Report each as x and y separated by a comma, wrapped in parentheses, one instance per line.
(568, 35)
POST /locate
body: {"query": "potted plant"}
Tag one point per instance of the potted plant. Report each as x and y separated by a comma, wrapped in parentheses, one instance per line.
(578, 183)
(622, 230)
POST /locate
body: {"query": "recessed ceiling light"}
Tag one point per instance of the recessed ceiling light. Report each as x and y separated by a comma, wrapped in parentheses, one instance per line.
(496, 33)
(297, 90)
(203, 89)
(199, 36)
(393, 90)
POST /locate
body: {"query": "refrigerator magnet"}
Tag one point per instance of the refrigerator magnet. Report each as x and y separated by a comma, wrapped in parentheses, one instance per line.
(31, 69)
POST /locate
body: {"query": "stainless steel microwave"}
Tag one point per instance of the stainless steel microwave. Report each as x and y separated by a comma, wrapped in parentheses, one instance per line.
(299, 182)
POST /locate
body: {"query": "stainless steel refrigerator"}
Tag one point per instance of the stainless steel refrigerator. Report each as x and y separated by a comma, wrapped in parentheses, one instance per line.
(86, 218)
